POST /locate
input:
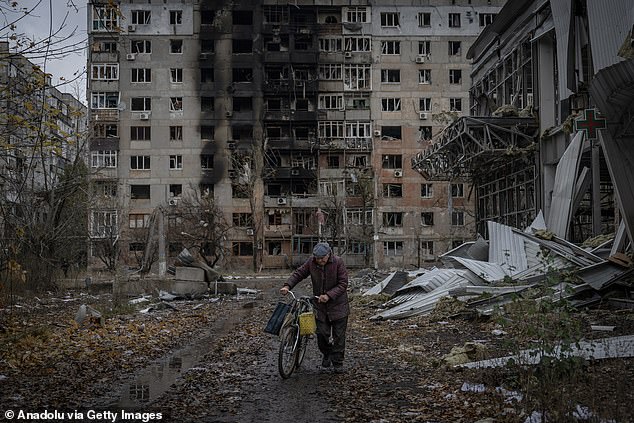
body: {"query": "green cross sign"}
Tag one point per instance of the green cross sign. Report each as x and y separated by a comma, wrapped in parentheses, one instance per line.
(590, 122)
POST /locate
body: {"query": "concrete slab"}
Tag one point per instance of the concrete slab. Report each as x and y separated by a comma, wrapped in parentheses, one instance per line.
(189, 289)
(190, 274)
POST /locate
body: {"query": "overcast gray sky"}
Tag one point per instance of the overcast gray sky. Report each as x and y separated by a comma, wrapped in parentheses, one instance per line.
(68, 70)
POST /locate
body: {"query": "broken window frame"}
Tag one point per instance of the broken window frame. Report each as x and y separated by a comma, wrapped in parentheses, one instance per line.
(176, 133)
(140, 133)
(105, 72)
(390, 76)
(424, 76)
(391, 190)
(331, 71)
(176, 75)
(424, 19)
(330, 44)
(176, 162)
(390, 47)
(140, 163)
(330, 101)
(392, 248)
(356, 14)
(140, 17)
(426, 190)
(176, 46)
(357, 77)
(455, 104)
(176, 17)
(455, 76)
(392, 161)
(140, 75)
(391, 104)
(392, 219)
(457, 218)
(390, 19)
(427, 218)
(138, 220)
(424, 104)
(141, 46)
(357, 44)
(176, 104)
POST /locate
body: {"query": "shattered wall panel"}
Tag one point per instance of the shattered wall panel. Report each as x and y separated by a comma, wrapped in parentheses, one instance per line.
(505, 248)
(565, 178)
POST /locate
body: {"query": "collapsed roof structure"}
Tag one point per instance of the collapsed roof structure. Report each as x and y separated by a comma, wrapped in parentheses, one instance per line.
(551, 129)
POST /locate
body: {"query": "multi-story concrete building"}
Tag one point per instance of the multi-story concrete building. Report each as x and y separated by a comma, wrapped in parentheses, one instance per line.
(298, 119)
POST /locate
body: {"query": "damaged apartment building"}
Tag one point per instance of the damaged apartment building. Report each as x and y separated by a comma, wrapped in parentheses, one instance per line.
(300, 119)
(551, 120)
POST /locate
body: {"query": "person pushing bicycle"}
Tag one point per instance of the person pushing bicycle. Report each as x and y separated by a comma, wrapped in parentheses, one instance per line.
(329, 278)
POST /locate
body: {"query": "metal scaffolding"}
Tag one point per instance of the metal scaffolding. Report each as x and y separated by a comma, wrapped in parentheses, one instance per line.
(476, 145)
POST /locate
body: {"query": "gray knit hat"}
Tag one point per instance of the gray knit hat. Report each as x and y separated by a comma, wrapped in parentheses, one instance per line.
(322, 249)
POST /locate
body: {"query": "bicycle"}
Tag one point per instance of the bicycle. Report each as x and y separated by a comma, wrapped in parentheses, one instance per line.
(292, 342)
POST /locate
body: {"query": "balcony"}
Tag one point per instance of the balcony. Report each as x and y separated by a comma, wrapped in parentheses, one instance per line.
(276, 57)
(289, 143)
(110, 143)
(105, 115)
(290, 173)
(356, 144)
(277, 231)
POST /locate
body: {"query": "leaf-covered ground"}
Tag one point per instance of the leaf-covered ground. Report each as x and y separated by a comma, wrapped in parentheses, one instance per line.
(394, 370)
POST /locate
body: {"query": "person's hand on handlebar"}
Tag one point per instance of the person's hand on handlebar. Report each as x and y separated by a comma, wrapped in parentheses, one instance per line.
(284, 290)
(323, 298)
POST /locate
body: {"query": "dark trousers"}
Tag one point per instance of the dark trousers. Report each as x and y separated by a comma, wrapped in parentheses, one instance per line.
(337, 329)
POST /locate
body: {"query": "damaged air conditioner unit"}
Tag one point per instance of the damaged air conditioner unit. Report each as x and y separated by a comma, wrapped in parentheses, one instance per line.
(347, 54)
(231, 145)
(173, 202)
(420, 59)
(281, 201)
(131, 28)
(130, 56)
(377, 133)
(398, 173)
(295, 172)
(228, 113)
(422, 115)
(249, 231)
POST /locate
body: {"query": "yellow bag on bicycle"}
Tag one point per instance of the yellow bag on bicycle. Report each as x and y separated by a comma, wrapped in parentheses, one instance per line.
(307, 323)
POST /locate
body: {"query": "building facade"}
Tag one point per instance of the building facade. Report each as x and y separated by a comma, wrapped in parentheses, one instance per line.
(298, 119)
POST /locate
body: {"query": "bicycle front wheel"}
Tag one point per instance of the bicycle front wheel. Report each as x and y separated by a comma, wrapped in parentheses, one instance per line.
(288, 351)
(301, 349)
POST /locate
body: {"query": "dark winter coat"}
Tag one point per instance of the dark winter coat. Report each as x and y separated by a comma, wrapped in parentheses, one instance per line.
(332, 280)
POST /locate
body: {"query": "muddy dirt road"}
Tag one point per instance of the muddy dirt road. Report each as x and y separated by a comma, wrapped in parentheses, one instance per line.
(210, 361)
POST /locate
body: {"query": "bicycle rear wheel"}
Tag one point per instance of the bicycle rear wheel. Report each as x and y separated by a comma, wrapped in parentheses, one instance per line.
(287, 356)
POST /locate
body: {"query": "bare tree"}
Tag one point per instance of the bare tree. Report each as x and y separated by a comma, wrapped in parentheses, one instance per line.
(43, 174)
(200, 225)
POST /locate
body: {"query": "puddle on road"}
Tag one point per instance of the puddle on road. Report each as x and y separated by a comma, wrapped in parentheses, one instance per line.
(150, 383)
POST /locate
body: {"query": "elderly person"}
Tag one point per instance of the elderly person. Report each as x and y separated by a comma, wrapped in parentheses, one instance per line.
(329, 278)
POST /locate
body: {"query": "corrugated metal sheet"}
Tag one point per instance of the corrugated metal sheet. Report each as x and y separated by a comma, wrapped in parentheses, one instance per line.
(565, 178)
(602, 275)
(567, 250)
(609, 24)
(505, 248)
(562, 14)
(422, 302)
(490, 272)
(378, 288)
(431, 280)
(538, 224)
(612, 90)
